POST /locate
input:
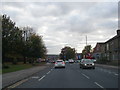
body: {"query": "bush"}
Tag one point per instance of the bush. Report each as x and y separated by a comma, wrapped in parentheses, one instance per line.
(5, 66)
(14, 61)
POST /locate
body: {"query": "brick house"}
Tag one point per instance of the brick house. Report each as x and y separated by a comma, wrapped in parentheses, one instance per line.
(109, 49)
(99, 50)
(112, 47)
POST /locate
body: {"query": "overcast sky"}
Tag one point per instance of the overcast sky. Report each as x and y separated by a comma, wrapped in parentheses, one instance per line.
(66, 24)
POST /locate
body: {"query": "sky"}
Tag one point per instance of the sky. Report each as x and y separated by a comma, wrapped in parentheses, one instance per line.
(66, 23)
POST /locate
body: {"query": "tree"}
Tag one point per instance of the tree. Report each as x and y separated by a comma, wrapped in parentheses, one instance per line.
(19, 43)
(67, 53)
(36, 47)
(87, 49)
(11, 39)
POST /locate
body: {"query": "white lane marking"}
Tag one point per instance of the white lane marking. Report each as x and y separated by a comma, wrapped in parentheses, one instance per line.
(51, 69)
(35, 77)
(85, 76)
(109, 72)
(41, 78)
(98, 85)
(48, 72)
(116, 74)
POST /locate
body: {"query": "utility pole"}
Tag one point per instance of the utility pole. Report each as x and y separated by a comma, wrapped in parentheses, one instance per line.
(86, 40)
(86, 46)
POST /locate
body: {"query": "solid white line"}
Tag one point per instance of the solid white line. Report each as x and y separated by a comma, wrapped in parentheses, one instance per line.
(41, 78)
(85, 76)
(98, 85)
(48, 72)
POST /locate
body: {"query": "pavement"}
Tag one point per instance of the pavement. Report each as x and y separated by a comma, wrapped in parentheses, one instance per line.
(72, 76)
(108, 66)
(13, 77)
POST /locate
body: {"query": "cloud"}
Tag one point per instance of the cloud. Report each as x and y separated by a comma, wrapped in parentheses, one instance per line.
(66, 23)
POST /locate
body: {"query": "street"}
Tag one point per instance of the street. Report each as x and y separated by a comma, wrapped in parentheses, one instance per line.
(72, 77)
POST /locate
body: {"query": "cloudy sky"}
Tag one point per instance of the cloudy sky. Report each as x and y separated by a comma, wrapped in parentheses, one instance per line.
(66, 23)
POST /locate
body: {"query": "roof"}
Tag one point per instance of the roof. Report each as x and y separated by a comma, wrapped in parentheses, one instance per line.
(115, 37)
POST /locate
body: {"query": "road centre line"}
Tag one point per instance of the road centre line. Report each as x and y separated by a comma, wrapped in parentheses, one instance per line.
(116, 74)
(41, 78)
(35, 77)
(98, 85)
(85, 76)
(48, 72)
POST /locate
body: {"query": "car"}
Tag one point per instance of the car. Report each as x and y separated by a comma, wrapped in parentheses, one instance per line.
(87, 63)
(66, 61)
(71, 61)
(94, 60)
(59, 63)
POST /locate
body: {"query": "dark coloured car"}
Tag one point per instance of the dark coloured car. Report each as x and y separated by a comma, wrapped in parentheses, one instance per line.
(87, 63)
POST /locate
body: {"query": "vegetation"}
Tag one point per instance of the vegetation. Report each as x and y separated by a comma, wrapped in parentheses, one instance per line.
(20, 44)
(19, 66)
(87, 49)
(67, 53)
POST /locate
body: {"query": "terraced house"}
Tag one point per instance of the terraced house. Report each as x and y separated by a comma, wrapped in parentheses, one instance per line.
(109, 49)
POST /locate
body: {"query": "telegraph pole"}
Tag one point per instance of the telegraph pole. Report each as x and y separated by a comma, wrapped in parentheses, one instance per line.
(86, 40)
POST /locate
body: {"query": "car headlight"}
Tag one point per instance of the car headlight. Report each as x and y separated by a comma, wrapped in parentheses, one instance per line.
(85, 64)
(92, 63)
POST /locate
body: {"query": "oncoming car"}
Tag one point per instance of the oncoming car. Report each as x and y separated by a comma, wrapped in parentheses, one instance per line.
(59, 63)
(71, 61)
(87, 63)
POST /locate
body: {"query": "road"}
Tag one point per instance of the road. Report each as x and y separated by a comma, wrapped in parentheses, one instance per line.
(72, 77)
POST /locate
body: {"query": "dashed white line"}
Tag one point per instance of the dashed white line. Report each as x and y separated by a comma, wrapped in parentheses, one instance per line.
(98, 85)
(116, 74)
(109, 72)
(35, 77)
(41, 78)
(48, 72)
(85, 76)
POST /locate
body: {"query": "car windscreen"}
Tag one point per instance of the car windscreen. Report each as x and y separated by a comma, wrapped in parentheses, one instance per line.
(87, 61)
(59, 61)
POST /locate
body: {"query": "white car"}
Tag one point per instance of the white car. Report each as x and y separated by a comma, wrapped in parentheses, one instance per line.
(71, 61)
(59, 63)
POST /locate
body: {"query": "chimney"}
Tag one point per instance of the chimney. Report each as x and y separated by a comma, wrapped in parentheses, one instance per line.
(118, 32)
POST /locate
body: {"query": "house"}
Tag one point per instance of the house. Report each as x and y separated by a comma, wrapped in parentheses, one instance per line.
(109, 49)
(99, 50)
(52, 57)
(78, 56)
(112, 47)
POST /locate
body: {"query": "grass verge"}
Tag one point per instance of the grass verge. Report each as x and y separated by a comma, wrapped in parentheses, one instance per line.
(19, 66)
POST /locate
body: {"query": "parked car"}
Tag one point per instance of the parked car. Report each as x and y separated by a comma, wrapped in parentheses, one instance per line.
(87, 63)
(71, 61)
(59, 63)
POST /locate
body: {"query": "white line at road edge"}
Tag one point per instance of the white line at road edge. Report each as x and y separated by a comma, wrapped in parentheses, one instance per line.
(85, 76)
(48, 72)
(98, 85)
(41, 78)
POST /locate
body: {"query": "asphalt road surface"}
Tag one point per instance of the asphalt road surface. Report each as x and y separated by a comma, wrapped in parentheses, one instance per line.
(72, 77)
